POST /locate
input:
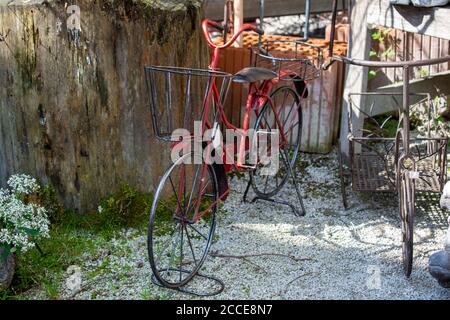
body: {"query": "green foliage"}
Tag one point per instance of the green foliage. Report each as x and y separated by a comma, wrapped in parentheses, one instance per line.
(372, 74)
(372, 53)
(236, 174)
(383, 125)
(64, 248)
(49, 200)
(389, 53)
(127, 208)
(380, 34)
(73, 236)
(422, 72)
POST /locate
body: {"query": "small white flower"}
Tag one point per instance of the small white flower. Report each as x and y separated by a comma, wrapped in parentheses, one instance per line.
(100, 209)
(22, 183)
(21, 223)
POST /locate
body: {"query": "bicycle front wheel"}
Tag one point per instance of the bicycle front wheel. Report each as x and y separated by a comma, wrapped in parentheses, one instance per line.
(182, 222)
(285, 115)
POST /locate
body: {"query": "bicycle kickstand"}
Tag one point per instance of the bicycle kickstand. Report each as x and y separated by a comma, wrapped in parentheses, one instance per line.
(290, 205)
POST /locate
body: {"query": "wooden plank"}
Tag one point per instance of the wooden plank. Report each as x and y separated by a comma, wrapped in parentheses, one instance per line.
(426, 52)
(428, 21)
(238, 20)
(445, 49)
(435, 52)
(417, 52)
(272, 8)
(428, 84)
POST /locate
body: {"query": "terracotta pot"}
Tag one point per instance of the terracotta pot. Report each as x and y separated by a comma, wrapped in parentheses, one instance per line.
(6, 271)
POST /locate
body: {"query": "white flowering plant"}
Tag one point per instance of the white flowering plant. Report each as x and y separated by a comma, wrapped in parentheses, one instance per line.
(23, 220)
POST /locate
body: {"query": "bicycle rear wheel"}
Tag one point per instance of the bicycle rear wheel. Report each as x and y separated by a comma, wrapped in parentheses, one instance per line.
(182, 222)
(287, 110)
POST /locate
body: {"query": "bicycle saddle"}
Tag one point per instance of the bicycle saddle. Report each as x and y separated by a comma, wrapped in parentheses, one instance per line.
(254, 74)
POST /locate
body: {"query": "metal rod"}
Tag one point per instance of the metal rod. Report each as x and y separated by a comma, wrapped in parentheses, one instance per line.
(406, 110)
(261, 21)
(392, 64)
(406, 99)
(333, 28)
(307, 17)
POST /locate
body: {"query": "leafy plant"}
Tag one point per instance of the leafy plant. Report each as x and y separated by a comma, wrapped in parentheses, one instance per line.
(389, 53)
(22, 219)
(422, 72)
(380, 34)
(372, 74)
(128, 207)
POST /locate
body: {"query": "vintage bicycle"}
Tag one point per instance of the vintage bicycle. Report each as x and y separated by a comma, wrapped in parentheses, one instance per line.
(401, 164)
(183, 213)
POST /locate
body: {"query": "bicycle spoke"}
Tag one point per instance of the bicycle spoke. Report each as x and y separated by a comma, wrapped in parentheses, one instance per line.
(165, 246)
(176, 239)
(284, 115)
(193, 185)
(184, 188)
(284, 99)
(176, 194)
(290, 110)
(181, 251)
(190, 244)
(195, 229)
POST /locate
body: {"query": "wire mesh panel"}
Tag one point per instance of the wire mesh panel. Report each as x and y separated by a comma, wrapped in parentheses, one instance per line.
(288, 59)
(376, 144)
(181, 96)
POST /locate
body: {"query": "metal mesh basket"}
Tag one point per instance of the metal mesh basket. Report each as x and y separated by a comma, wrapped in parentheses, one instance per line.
(181, 96)
(375, 150)
(290, 59)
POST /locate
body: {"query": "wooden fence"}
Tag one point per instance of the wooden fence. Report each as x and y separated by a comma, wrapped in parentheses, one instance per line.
(321, 110)
(392, 47)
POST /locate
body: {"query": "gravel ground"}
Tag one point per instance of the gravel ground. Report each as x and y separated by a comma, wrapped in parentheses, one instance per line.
(331, 253)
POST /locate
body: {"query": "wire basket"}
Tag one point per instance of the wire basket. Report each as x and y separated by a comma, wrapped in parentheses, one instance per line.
(290, 59)
(181, 96)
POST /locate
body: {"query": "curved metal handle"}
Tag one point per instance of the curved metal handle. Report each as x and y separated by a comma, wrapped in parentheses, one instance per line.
(385, 64)
(209, 23)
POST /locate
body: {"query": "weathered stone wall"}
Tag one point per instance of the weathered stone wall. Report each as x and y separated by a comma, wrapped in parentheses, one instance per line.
(78, 116)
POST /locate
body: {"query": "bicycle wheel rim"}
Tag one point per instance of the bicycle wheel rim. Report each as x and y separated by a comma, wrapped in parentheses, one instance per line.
(296, 113)
(185, 275)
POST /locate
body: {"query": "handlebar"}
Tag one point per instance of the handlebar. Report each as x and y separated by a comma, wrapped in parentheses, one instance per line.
(385, 64)
(209, 23)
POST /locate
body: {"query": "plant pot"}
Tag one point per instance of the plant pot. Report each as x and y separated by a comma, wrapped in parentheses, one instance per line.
(7, 269)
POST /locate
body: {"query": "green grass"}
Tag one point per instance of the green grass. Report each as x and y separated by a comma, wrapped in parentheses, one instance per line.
(64, 248)
(389, 128)
(73, 235)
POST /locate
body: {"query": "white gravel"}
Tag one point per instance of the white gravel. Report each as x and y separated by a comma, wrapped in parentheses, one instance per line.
(335, 254)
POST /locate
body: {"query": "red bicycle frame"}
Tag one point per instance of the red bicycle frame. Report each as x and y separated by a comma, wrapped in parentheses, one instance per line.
(257, 96)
